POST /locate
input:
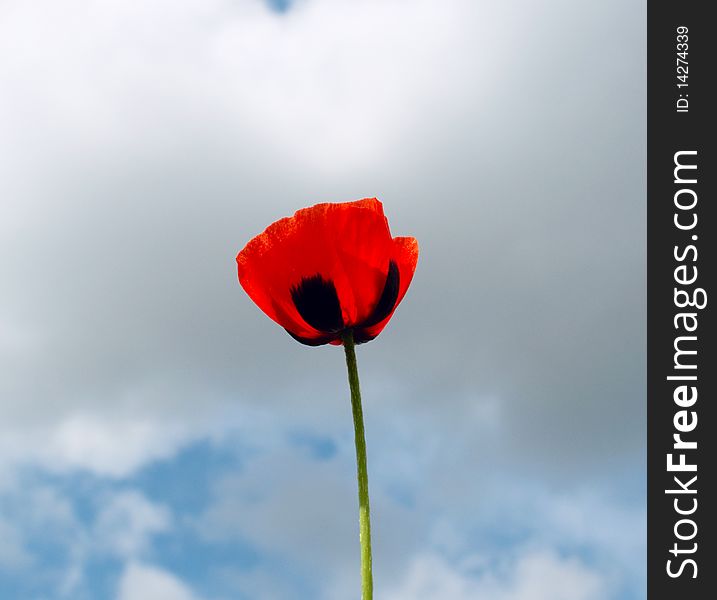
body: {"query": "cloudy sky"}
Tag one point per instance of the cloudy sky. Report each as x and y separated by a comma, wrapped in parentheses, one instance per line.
(161, 439)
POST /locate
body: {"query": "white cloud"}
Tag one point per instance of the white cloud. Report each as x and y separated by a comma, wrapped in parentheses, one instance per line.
(332, 84)
(533, 575)
(107, 447)
(41, 519)
(145, 582)
(305, 511)
(342, 81)
(126, 523)
(101, 444)
(35, 517)
(301, 510)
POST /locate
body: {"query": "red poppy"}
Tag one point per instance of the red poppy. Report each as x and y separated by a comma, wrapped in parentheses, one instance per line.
(328, 269)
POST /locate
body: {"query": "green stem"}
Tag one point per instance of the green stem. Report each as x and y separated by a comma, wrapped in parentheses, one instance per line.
(364, 511)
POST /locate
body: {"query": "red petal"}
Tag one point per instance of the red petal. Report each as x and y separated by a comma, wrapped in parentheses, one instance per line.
(348, 243)
(405, 253)
(363, 245)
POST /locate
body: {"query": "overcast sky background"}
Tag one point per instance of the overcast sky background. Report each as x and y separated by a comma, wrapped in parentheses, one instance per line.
(161, 439)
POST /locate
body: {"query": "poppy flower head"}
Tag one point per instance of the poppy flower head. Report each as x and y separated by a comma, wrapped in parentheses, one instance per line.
(327, 269)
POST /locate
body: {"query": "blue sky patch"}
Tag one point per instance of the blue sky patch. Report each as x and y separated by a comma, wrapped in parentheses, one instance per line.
(280, 6)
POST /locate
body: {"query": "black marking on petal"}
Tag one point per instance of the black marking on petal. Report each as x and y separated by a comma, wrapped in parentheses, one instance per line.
(361, 336)
(387, 301)
(319, 341)
(318, 303)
